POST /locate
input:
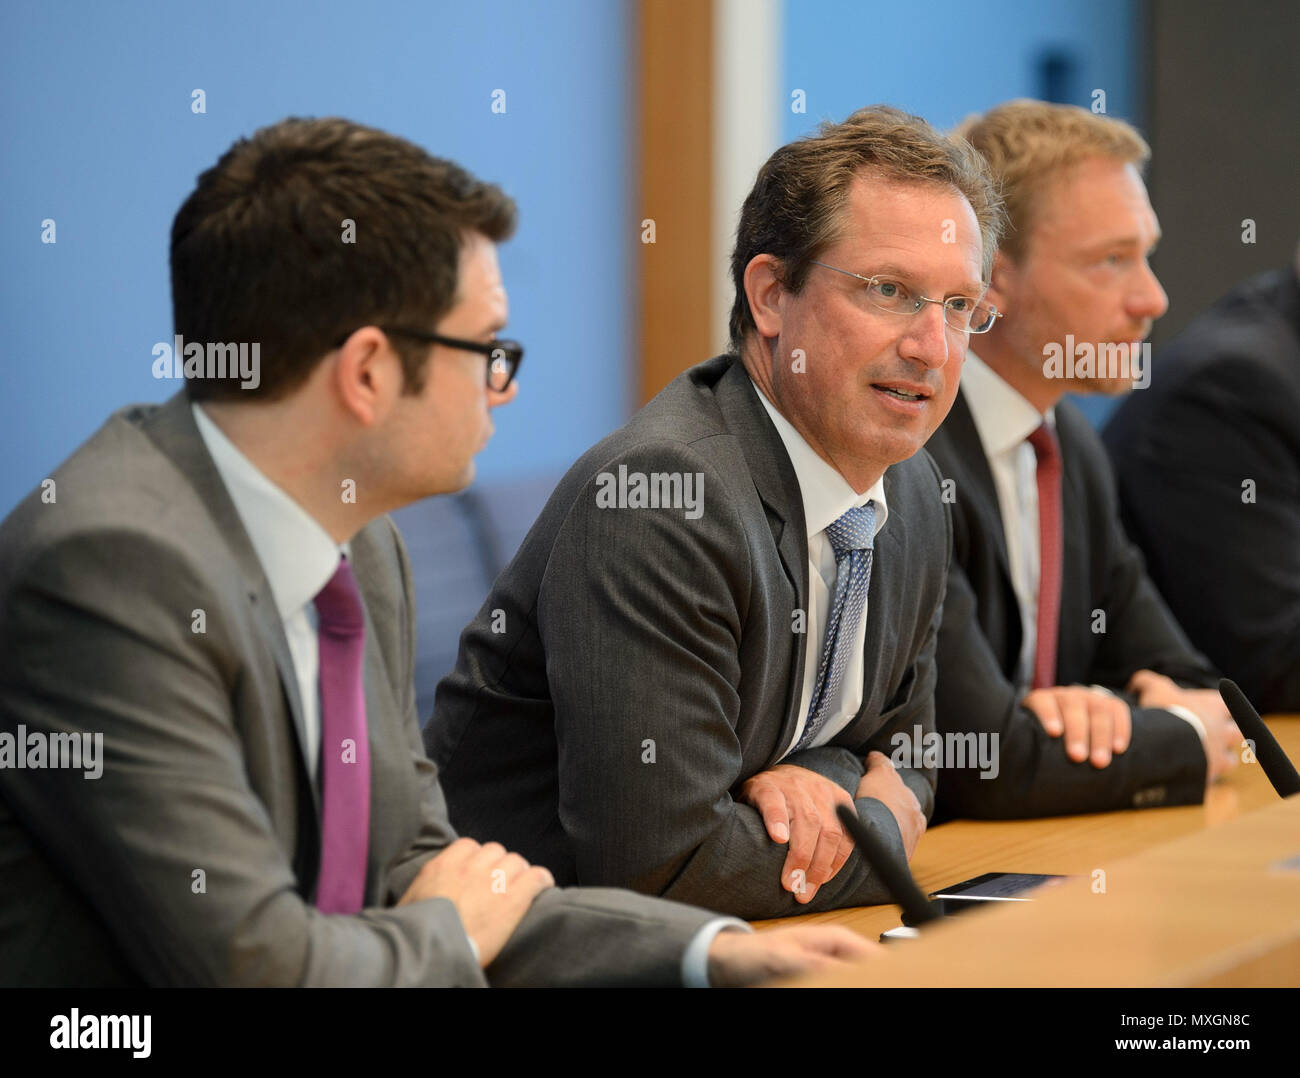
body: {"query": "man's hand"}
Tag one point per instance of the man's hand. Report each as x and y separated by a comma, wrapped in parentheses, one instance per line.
(1222, 735)
(885, 784)
(491, 888)
(1096, 725)
(1155, 690)
(741, 958)
(798, 806)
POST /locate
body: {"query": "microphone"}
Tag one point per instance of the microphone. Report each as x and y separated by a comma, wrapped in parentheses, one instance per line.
(1280, 771)
(917, 909)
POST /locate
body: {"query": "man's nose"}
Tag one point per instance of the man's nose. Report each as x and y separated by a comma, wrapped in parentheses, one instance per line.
(1148, 298)
(925, 337)
(497, 398)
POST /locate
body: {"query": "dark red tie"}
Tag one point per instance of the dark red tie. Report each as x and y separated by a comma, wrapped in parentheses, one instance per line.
(345, 746)
(1049, 554)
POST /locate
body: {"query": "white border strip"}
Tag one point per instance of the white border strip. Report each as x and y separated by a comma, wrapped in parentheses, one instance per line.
(747, 68)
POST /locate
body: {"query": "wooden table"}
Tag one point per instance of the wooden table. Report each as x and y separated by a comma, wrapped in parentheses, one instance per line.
(1202, 871)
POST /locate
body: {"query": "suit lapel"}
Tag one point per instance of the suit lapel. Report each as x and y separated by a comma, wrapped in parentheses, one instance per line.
(393, 796)
(978, 477)
(778, 488)
(1074, 554)
(883, 600)
(978, 496)
(173, 430)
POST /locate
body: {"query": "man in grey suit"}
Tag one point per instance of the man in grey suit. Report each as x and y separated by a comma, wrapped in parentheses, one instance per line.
(723, 624)
(210, 765)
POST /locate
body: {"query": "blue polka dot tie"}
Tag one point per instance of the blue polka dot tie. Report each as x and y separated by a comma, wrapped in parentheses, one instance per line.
(851, 538)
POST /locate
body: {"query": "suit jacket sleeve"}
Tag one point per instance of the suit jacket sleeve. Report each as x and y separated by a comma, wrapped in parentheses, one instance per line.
(842, 766)
(1164, 763)
(84, 651)
(642, 617)
(577, 936)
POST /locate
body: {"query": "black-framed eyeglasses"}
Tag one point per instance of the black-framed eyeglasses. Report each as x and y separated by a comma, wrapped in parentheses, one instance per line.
(965, 313)
(504, 357)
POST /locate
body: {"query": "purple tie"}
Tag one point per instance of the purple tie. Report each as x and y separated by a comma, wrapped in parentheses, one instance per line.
(345, 748)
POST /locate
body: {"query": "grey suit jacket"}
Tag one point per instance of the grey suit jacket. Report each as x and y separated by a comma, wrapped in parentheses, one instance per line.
(631, 668)
(193, 858)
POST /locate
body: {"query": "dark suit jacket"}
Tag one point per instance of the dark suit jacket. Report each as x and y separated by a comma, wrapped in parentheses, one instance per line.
(203, 763)
(979, 645)
(632, 667)
(1223, 408)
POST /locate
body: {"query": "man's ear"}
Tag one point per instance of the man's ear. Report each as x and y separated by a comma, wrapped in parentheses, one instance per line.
(763, 289)
(1003, 282)
(367, 375)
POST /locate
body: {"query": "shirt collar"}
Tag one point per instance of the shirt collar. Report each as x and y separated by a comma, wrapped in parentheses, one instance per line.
(297, 554)
(1002, 416)
(826, 494)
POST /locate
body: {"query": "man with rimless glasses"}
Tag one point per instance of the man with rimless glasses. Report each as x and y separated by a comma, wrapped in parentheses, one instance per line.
(683, 694)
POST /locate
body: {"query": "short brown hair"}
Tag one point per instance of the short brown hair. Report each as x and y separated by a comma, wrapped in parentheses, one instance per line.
(795, 208)
(258, 251)
(1027, 144)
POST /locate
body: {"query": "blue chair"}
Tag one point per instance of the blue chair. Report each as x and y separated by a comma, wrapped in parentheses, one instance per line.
(458, 544)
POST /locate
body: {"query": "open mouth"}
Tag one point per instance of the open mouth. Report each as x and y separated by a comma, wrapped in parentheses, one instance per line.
(900, 394)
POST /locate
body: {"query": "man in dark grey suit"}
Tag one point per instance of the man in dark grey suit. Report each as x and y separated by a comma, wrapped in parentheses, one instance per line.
(724, 620)
(1054, 640)
(210, 764)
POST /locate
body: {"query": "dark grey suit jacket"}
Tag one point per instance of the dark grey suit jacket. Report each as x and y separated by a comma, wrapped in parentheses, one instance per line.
(203, 758)
(1223, 408)
(633, 667)
(979, 646)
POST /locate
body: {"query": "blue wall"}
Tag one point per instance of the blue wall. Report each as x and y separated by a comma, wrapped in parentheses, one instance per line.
(99, 135)
(945, 59)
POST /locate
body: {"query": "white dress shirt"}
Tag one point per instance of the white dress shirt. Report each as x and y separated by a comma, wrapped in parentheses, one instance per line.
(299, 557)
(1004, 420)
(827, 496)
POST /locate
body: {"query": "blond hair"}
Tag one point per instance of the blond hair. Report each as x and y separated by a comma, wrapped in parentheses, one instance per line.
(1027, 145)
(796, 207)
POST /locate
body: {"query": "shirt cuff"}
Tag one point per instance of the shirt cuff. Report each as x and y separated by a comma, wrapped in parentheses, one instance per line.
(1184, 713)
(1195, 720)
(695, 961)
